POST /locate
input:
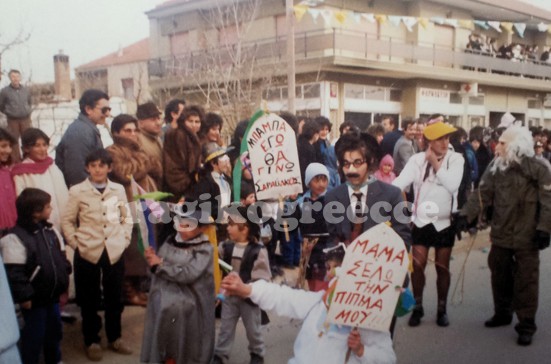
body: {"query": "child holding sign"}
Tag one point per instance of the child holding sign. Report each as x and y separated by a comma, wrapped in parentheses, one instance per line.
(315, 343)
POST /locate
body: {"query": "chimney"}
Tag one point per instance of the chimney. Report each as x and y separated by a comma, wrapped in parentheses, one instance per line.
(62, 74)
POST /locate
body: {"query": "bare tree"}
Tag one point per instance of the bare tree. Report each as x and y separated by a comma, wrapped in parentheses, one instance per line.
(7, 44)
(230, 71)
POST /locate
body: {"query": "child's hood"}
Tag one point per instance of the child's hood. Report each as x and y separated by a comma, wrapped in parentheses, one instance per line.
(387, 159)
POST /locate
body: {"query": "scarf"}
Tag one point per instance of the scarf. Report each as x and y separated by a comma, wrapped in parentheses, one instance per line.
(33, 167)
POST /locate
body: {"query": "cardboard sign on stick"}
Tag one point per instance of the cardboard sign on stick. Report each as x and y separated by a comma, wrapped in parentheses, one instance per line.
(273, 153)
(366, 294)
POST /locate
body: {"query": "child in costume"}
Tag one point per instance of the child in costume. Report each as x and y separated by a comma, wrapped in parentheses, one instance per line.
(385, 173)
(249, 260)
(179, 326)
(38, 273)
(316, 342)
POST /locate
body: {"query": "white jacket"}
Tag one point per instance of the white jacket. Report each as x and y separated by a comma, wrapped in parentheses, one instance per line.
(433, 196)
(309, 347)
(102, 221)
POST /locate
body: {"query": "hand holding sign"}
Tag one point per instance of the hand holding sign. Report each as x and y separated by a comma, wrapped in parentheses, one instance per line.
(365, 295)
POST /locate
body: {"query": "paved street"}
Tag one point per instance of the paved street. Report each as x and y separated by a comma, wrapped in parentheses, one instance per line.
(466, 340)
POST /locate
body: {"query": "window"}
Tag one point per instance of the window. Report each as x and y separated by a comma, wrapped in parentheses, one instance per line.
(455, 98)
(353, 91)
(311, 91)
(375, 93)
(476, 100)
(534, 104)
(396, 95)
(128, 88)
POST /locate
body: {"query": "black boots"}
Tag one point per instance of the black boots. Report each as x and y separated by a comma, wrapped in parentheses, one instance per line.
(499, 320)
(416, 315)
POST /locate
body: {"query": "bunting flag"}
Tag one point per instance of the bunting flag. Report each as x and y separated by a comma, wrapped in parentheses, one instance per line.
(507, 26)
(381, 19)
(480, 23)
(520, 28)
(369, 17)
(496, 25)
(142, 223)
(395, 20)
(342, 16)
(314, 13)
(300, 10)
(327, 14)
(467, 24)
(424, 22)
(409, 22)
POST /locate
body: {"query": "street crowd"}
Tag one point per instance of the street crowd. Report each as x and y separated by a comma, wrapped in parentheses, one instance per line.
(67, 229)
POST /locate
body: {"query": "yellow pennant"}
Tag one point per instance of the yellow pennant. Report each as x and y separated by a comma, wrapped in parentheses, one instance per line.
(300, 10)
(341, 16)
(381, 19)
(507, 26)
(424, 22)
(467, 24)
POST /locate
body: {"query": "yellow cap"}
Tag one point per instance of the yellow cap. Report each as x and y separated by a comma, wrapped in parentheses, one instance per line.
(438, 130)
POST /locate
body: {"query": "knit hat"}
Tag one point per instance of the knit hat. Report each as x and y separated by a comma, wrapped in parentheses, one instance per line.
(387, 159)
(438, 130)
(313, 170)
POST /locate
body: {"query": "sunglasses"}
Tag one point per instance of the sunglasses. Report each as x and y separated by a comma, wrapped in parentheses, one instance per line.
(105, 109)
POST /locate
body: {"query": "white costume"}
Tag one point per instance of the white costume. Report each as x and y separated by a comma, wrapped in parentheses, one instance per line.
(310, 347)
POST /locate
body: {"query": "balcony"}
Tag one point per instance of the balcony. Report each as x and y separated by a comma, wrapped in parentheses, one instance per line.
(364, 51)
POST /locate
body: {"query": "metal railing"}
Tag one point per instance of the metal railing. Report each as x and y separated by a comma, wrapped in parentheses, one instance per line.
(346, 43)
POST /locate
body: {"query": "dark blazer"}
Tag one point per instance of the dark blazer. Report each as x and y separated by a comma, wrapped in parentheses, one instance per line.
(377, 192)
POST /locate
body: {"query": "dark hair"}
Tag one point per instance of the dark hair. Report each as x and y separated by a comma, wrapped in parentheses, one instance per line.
(323, 122)
(352, 142)
(455, 137)
(120, 121)
(291, 119)
(375, 129)
(14, 71)
(29, 202)
(211, 120)
(99, 155)
(6, 135)
(407, 122)
(192, 110)
(172, 106)
(390, 120)
(344, 125)
(32, 135)
(90, 98)
(476, 133)
(434, 116)
(310, 128)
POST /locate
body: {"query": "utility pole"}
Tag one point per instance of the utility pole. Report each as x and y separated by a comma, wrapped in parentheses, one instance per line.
(291, 89)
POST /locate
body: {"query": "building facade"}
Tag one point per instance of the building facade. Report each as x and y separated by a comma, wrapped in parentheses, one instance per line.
(356, 59)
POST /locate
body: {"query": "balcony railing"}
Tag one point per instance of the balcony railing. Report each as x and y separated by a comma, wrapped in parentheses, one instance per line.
(350, 44)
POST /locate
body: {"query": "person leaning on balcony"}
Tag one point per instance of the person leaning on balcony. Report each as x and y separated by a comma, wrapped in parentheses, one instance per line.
(182, 152)
(15, 102)
(149, 137)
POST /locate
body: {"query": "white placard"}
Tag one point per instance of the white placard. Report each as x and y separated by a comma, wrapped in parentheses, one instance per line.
(273, 153)
(373, 271)
(434, 95)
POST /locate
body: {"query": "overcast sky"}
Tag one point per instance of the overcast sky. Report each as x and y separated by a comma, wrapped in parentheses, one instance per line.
(84, 29)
